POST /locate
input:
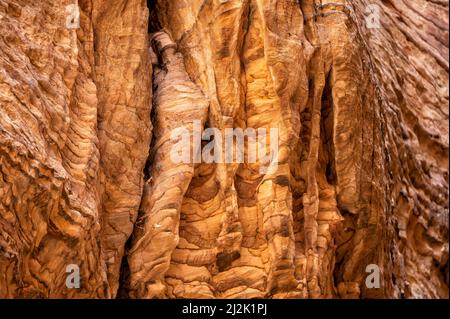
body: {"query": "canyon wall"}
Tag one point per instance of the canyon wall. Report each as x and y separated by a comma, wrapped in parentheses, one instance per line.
(91, 92)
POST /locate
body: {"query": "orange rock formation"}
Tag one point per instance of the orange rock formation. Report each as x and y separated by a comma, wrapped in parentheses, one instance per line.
(91, 90)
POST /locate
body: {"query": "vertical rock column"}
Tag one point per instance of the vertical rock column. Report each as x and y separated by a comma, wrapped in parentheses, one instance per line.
(178, 104)
(49, 156)
(123, 79)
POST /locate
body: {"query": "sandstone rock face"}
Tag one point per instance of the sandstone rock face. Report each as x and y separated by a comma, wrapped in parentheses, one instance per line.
(92, 92)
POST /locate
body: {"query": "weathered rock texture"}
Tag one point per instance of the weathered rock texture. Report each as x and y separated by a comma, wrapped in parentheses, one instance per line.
(86, 177)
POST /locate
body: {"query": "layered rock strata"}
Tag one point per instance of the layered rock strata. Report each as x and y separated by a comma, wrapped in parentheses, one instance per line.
(92, 91)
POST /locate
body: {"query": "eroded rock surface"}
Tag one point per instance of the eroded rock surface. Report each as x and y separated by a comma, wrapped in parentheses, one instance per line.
(361, 165)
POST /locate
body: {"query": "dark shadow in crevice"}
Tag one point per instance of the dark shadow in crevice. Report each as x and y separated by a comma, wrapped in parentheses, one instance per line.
(153, 23)
(327, 129)
(148, 164)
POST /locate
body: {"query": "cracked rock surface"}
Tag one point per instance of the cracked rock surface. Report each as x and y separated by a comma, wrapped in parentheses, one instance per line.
(87, 178)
